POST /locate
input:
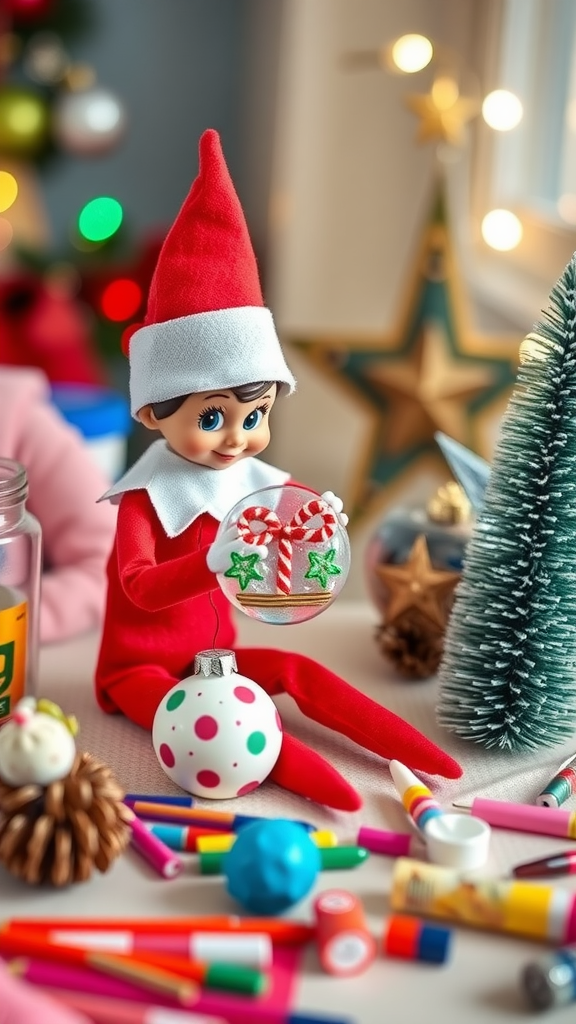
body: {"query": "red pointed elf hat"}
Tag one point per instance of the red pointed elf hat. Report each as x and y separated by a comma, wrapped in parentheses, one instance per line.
(206, 324)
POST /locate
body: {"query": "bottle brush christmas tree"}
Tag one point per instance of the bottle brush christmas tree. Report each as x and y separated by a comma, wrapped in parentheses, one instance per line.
(508, 675)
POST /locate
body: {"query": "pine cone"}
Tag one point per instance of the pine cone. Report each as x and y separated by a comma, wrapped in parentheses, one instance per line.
(61, 832)
(412, 645)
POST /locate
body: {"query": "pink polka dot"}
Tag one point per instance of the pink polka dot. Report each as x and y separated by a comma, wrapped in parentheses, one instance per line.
(278, 721)
(208, 779)
(167, 755)
(244, 694)
(238, 723)
(206, 727)
(247, 788)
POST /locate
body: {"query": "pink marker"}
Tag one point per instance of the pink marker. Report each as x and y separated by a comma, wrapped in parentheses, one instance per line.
(391, 844)
(163, 860)
(545, 821)
(102, 1010)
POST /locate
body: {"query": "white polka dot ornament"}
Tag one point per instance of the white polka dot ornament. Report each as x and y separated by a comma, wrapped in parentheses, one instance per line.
(217, 734)
(292, 557)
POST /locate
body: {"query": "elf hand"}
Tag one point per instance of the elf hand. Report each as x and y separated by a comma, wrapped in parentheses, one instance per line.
(218, 555)
(336, 504)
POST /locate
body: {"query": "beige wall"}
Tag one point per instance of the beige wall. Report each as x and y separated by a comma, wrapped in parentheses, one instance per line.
(350, 190)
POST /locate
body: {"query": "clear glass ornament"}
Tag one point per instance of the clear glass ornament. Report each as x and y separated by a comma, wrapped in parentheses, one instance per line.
(308, 556)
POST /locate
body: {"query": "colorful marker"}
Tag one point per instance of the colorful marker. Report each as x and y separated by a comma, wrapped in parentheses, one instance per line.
(563, 863)
(545, 821)
(410, 938)
(562, 786)
(182, 837)
(550, 981)
(416, 798)
(333, 858)
(160, 856)
(149, 798)
(283, 933)
(223, 820)
(390, 844)
(543, 912)
(224, 841)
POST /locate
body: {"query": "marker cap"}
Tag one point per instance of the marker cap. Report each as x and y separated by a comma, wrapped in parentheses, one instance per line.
(457, 841)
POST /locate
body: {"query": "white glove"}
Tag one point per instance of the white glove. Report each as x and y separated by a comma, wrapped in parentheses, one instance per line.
(218, 555)
(336, 504)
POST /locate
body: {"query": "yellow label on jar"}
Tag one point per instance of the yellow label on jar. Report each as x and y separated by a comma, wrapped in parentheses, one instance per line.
(13, 633)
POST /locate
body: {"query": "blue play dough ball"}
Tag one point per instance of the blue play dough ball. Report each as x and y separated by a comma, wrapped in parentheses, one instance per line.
(271, 866)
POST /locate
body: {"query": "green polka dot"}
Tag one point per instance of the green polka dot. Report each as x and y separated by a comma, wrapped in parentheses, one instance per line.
(175, 700)
(256, 742)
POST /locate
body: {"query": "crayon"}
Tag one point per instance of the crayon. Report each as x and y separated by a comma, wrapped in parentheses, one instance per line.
(223, 841)
(183, 838)
(390, 844)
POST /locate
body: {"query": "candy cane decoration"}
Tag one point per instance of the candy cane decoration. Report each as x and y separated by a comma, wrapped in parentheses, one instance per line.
(286, 533)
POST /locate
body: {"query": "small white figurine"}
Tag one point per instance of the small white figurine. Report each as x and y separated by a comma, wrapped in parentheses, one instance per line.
(37, 744)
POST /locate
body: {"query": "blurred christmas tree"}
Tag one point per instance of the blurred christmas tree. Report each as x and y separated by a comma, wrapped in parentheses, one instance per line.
(508, 676)
(64, 311)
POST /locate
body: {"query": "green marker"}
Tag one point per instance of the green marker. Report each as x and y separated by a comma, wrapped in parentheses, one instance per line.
(332, 858)
(235, 978)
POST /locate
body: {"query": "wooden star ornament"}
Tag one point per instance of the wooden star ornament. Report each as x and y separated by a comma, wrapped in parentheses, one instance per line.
(416, 585)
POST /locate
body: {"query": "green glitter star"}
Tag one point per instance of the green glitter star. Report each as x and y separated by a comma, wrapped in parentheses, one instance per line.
(322, 566)
(243, 569)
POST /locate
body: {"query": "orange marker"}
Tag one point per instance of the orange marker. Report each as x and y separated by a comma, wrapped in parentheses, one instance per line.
(345, 946)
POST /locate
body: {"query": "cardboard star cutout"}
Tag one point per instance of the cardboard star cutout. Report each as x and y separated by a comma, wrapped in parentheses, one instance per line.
(417, 586)
(431, 372)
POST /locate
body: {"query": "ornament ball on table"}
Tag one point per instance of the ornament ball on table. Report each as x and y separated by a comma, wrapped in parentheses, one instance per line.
(306, 548)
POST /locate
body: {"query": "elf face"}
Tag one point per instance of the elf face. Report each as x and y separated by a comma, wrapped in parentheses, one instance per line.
(214, 428)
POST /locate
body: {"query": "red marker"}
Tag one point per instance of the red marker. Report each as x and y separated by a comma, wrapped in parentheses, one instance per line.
(557, 864)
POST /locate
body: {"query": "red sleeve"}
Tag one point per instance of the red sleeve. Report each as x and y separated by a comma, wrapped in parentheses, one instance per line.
(149, 585)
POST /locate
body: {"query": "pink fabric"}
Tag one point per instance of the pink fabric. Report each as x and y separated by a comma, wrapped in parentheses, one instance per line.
(22, 1004)
(65, 484)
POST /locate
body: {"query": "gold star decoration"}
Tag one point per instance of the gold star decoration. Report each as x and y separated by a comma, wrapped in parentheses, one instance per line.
(417, 586)
(443, 113)
(432, 372)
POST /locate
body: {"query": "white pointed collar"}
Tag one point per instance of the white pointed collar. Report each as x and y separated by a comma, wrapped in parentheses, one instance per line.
(180, 491)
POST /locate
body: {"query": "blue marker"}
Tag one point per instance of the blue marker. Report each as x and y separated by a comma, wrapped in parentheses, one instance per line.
(170, 801)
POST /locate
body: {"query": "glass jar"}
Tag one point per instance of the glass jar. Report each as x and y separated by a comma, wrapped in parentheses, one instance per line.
(20, 571)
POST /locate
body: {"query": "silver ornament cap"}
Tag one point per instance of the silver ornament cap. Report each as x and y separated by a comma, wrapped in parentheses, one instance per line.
(215, 662)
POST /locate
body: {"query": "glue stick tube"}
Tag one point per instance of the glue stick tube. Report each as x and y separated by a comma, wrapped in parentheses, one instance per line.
(530, 909)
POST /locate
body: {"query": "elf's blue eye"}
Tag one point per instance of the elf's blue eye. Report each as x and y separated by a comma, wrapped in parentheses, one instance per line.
(211, 420)
(253, 419)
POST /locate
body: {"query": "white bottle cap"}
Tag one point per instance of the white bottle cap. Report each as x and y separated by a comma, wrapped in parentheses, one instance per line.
(251, 949)
(457, 841)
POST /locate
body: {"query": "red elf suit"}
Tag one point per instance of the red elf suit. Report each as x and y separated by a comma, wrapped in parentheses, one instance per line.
(207, 328)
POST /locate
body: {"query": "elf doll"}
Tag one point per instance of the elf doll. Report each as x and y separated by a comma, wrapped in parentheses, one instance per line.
(205, 370)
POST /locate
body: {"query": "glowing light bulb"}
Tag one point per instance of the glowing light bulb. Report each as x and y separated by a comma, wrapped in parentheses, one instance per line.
(566, 207)
(502, 110)
(100, 219)
(8, 190)
(502, 230)
(121, 299)
(411, 53)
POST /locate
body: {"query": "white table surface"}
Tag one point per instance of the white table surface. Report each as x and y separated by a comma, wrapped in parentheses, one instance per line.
(478, 983)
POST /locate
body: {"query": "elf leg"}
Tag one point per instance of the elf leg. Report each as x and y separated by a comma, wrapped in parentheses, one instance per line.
(136, 692)
(303, 771)
(328, 699)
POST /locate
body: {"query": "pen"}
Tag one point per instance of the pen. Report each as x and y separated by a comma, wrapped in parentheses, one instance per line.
(546, 821)
(561, 786)
(150, 798)
(199, 816)
(563, 863)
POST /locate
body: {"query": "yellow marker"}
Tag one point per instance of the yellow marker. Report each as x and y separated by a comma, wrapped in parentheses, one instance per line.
(223, 842)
